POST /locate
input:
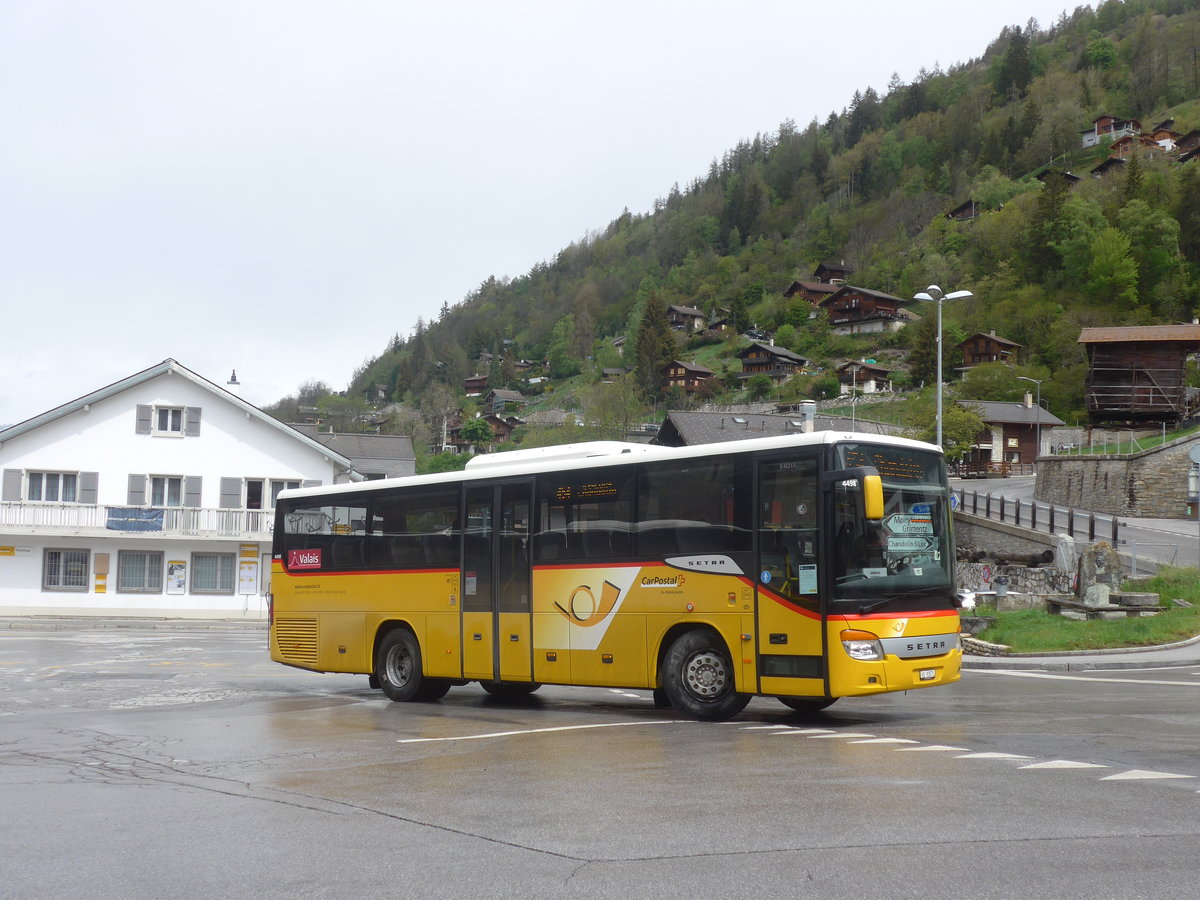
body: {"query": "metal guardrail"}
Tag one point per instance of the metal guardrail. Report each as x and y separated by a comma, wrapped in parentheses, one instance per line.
(1045, 517)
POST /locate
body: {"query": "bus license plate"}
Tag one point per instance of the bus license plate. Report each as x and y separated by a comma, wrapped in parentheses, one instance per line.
(927, 674)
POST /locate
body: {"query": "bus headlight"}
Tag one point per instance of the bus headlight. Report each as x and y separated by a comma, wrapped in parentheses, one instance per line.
(862, 645)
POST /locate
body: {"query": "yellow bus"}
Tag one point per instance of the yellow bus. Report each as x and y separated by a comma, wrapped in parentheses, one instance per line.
(808, 568)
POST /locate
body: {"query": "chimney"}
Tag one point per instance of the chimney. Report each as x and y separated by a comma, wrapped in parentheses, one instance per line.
(809, 409)
(233, 385)
(1028, 400)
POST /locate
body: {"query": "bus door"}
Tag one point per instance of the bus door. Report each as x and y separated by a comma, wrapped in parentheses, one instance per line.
(496, 609)
(790, 629)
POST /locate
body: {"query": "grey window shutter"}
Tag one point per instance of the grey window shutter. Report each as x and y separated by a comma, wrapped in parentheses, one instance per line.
(231, 493)
(191, 421)
(311, 482)
(144, 415)
(137, 490)
(89, 484)
(12, 485)
(191, 490)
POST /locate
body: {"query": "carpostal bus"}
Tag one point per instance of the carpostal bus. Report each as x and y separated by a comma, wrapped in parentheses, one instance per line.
(808, 568)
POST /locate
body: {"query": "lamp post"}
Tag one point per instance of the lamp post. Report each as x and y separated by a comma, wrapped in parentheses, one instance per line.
(1038, 426)
(934, 294)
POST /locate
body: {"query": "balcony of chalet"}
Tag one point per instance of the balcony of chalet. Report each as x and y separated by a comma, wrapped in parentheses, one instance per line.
(63, 519)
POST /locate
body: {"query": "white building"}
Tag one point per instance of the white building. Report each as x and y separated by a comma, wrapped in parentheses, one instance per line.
(152, 496)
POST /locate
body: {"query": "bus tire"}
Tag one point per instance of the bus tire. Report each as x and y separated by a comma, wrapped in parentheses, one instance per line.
(509, 688)
(433, 688)
(398, 666)
(806, 704)
(698, 677)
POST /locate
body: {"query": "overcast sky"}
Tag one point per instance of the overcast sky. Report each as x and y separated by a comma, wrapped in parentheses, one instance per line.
(278, 186)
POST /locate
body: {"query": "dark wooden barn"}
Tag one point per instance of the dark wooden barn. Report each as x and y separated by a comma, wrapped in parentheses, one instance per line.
(1136, 374)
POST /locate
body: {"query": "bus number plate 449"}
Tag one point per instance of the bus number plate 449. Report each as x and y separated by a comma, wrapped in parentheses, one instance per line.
(927, 674)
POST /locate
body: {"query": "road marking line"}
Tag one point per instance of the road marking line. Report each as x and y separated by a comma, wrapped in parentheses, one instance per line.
(885, 741)
(497, 734)
(839, 734)
(992, 756)
(1064, 764)
(1142, 775)
(807, 731)
(1053, 677)
(935, 747)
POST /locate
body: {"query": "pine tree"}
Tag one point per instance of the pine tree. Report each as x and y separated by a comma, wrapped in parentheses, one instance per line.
(655, 346)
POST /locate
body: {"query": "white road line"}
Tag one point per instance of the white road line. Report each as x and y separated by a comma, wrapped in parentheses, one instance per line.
(1053, 677)
(942, 747)
(885, 741)
(838, 734)
(1142, 775)
(793, 732)
(992, 756)
(1064, 764)
(499, 734)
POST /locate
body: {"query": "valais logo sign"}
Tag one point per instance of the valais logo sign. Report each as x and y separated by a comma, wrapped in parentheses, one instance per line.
(304, 559)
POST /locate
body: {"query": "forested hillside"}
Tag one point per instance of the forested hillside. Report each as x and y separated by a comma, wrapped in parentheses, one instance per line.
(871, 185)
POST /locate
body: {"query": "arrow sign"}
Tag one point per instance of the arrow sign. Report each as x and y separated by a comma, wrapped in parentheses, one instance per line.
(902, 524)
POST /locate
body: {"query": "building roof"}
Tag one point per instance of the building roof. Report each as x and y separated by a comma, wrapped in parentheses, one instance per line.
(170, 367)
(864, 367)
(686, 311)
(815, 287)
(772, 350)
(990, 337)
(1135, 334)
(694, 368)
(689, 428)
(851, 289)
(996, 412)
(390, 455)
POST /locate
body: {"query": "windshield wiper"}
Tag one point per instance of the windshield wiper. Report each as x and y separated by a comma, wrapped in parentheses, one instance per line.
(867, 608)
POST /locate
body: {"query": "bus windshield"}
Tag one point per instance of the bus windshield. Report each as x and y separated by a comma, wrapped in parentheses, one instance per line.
(905, 556)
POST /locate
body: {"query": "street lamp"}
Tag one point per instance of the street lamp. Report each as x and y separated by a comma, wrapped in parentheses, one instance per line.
(1038, 451)
(934, 294)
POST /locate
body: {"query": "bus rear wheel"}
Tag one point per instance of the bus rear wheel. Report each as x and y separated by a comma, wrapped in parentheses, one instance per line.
(398, 667)
(698, 677)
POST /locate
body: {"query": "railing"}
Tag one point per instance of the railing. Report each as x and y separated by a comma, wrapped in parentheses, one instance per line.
(983, 469)
(1041, 516)
(58, 518)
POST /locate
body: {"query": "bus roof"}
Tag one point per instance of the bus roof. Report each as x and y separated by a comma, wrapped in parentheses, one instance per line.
(595, 454)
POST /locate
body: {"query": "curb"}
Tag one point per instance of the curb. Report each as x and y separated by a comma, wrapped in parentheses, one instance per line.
(78, 623)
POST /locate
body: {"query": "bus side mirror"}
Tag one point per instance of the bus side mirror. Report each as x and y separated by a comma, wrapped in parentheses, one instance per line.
(873, 497)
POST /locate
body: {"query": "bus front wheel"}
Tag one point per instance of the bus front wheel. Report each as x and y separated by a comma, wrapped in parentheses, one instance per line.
(698, 677)
(398, 666)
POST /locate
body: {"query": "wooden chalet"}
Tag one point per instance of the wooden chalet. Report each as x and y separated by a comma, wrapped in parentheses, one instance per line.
(812, 291)
(982, 348)
(1131, 144)
(777, 363)
(1110, 127)
(1046, 173)
(475, 385)
(1111, 164)
(499, 400)
(686, 375)
(1136, 374)
(685, 318)
(832, 273)
(855, 310)
(965, 211)
(863, 378)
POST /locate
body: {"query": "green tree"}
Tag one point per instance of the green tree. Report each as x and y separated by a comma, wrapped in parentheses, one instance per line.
(655, 346)
(476, 432)
(759, 387)
(613, 409)
(1113, 278)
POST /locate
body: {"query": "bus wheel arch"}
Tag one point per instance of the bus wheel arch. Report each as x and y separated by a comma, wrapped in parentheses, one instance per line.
(697, 674)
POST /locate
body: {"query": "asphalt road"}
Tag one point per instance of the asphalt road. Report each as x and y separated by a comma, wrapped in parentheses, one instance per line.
(151, 763)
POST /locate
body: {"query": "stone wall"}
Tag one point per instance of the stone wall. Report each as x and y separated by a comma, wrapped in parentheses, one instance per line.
(1151, 484)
